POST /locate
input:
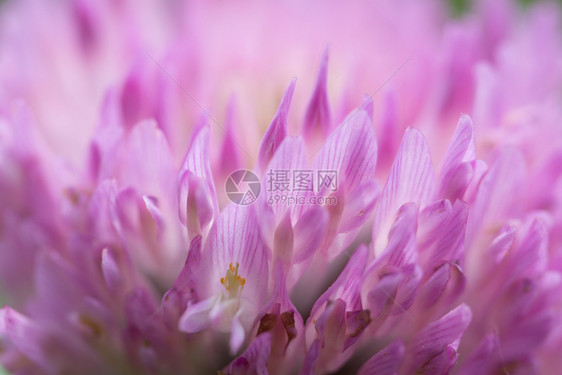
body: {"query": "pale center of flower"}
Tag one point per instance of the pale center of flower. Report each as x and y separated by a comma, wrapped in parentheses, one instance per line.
(233, 282)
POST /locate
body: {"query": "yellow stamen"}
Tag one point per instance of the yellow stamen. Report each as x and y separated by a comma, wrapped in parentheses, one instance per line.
(233, 282)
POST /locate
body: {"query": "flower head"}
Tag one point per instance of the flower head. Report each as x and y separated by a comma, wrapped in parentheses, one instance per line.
(152, 222)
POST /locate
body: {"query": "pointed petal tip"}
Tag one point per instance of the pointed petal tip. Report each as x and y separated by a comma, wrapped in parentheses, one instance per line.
(318, 117)
(368, 105)
(231, 105)
(412, 133)
(288, 95)
(465, 312)
(277, 129)
(284, 106)
(110, 269)
(325, 59)
(201, 128)
(465, 120)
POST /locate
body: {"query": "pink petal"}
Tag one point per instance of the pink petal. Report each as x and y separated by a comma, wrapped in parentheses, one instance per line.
(479, 170)
(347, 285)
(196, 203)
(26, 337)
(359, 205)
(385, 362)
(151, 206)
(380, 299)
(438, 336)
(141, 311)
(368, 105)
(175, 300)
(434, 286)
(125, 204)
(527, 333)
(134, 101)
(456, 181)
(449, 243)
(407, 290)
(357, 321)
(331, 326)
(401, 248)
(411, 179)
(102, 213)
(318, 118)
(220, 314)
(231, 154)
(352, 151)
(482, 358)
(187, 277)
(280, 293)
(285, 314)
(501, 244)
(277, 130)
(237, 333)
(110, 269)
(462, 147)
(236, 238)
(311, 359)
(388, 124)
(309, 233)
(46, 345)
(58, 285)
(203, 191)
(147, 164)
(529, 259)
(197, 316)
(497, 192)
(283, 242)
(456, 171)
(254, 359)
(146, 233)
(196, 159)
(104, 146)
(289, 157)
(446, 281)
(431, 220)
(441, 364)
